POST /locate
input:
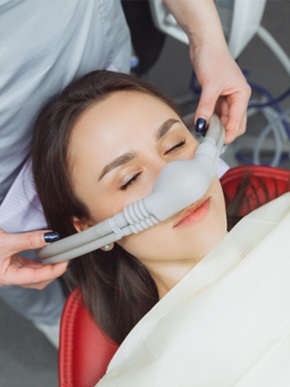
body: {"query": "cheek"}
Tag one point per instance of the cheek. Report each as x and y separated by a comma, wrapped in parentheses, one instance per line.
(148, 244)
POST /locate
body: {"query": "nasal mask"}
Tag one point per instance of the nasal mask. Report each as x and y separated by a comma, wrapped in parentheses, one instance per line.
(179, 184)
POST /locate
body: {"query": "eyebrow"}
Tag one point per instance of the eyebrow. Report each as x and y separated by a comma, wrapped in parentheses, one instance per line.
(121, 160)
(165, 127)
(127, 157)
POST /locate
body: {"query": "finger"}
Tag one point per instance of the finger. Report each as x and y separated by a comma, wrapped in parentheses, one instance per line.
(206, 105)
(13, 243)
(38, 286)
(236, 124)
(222, 110)
(25, 272)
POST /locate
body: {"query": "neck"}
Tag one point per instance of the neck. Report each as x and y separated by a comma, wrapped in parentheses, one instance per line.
(167, 274)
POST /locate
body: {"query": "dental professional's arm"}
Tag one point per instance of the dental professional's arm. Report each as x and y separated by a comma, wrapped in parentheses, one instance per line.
(225, 90)
(17, 270)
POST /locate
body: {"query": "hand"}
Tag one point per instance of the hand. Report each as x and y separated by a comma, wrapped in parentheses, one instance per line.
(17, 270)
(225, 90)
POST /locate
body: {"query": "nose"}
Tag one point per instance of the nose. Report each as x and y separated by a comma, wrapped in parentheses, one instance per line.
(155, 163)
(159, 164)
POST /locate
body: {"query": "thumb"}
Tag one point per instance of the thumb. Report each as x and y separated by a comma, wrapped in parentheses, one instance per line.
(14, 243)
(205, 108)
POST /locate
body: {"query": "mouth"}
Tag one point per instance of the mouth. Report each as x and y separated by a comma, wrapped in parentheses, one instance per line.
(193, 213)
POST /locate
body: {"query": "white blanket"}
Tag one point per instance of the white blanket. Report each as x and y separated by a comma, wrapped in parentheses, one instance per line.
(227, 323)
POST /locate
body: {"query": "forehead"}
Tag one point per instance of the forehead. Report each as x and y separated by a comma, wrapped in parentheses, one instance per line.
(124, 119)
(121, 113)
(127, 102)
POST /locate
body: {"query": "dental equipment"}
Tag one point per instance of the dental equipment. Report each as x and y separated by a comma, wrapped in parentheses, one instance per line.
(179, 184)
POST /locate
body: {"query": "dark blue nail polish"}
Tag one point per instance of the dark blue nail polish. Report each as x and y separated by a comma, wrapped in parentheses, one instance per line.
(51, 236)
(200, 126)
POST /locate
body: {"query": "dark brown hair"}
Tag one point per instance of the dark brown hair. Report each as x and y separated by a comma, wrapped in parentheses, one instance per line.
(117, 288)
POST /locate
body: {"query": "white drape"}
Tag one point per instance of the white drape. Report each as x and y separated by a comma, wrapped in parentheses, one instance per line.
(227, 323)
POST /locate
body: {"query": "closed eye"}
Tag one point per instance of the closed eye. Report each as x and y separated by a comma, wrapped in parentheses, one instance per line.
(130, 181)
(179, 145)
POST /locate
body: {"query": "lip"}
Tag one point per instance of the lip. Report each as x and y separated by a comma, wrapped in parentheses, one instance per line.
(193, 213)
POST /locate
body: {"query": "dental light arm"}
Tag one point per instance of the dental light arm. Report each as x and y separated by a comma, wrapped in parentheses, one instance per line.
(180, 183)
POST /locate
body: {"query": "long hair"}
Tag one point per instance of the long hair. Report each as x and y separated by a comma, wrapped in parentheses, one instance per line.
(118, 290)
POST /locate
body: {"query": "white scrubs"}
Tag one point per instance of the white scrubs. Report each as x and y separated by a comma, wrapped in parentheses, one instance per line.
(44, 45)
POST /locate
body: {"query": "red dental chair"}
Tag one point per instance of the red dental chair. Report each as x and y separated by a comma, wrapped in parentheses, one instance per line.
(85, 350)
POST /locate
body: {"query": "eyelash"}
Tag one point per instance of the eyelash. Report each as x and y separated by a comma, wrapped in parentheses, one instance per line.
(130, 181)
(134, 178)
(180, 144)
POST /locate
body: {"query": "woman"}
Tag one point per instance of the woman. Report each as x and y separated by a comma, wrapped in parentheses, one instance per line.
(114, 160)
(98, 146)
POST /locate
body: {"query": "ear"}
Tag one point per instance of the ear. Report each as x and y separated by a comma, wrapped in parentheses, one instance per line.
(81, 224)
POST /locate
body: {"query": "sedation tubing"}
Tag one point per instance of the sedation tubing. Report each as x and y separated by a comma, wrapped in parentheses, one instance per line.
(179, 184)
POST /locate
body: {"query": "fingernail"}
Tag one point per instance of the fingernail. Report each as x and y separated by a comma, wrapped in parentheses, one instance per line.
(51, 236)
(200, 126)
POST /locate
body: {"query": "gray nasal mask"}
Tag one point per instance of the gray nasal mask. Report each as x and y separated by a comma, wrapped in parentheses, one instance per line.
(179, 184)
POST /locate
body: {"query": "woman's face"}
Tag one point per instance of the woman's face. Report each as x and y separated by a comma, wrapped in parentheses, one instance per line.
(117, 149)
